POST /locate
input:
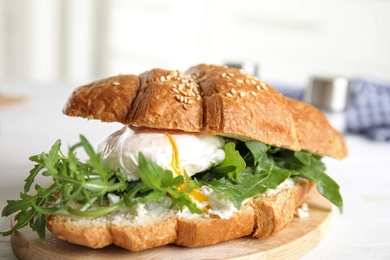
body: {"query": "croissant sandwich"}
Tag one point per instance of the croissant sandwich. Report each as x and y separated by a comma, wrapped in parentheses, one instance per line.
(204, 156)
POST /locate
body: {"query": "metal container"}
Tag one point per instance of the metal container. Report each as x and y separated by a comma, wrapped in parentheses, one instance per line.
(328, 93)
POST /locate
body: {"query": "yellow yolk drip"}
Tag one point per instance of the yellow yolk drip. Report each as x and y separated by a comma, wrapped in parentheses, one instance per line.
(194, 194)
(183, 186)
(175, 156)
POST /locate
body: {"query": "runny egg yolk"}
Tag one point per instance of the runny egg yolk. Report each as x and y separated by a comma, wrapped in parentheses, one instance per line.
(194, 194)
(198, 196)
(183, 186)
(175, 156)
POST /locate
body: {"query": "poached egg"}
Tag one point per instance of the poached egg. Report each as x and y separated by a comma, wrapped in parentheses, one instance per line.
(175, 151)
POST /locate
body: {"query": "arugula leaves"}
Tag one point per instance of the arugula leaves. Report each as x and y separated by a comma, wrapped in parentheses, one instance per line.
(259, 174)
(302, 164)
(266, 168)
(73, 182)
(309, 166)
(162, 183)
(249, 169)
(88, 184)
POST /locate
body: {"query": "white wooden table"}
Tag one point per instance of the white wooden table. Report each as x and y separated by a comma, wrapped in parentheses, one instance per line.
(361, 232)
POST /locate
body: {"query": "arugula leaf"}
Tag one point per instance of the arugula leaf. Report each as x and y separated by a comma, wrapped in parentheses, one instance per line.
(22, 220)
(233, 164)
(134, 188)
(150, 173)
(257, 150)
(251, 185)
(276, 177)
(303, 157)
(162, 182)
(38, 224)
(33, 173)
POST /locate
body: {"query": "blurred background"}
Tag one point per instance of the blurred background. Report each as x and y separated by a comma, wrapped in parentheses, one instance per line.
(48, 41)
(49, 47)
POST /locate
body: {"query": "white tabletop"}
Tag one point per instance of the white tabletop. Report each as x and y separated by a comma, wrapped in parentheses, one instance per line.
(361, 232)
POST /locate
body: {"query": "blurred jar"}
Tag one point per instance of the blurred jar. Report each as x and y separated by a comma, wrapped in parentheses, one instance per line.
(331, 96)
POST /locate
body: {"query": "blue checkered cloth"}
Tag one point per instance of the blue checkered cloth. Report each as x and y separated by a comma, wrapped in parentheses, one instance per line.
(368, 111)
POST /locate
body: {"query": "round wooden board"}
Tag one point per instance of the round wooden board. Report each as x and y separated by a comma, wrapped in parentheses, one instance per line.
(300, 236)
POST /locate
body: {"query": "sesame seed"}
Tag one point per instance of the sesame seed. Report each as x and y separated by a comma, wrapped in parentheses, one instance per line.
(177, 97)
(174, 73)
(257, 87)
(231, 74)
(185, 106)
(253, 93)
(233, 91)
(239, 80)
(264, 86)
(162, 78)
(253, 81)
(223, 75)
(175, 90)
(168, 77)
(190, 101)
(242, 94)
(183, 92)
(197, 98)
(181, 99)
(247, 81)
(115, 83)
(229, 94)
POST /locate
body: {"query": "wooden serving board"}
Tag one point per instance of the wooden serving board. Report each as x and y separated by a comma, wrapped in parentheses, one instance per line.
(300, 236)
